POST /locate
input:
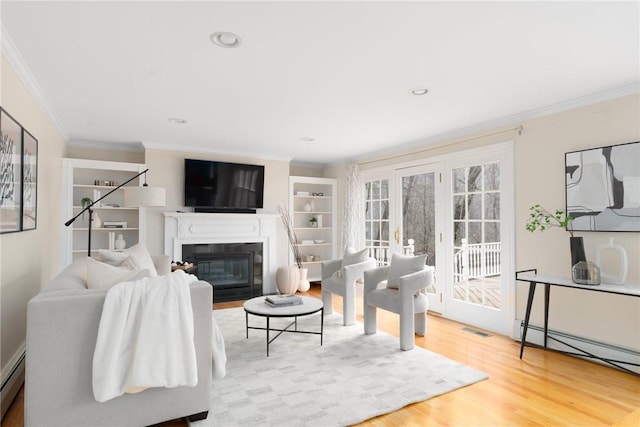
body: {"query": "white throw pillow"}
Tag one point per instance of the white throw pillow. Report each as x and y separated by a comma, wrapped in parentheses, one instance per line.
(138, 251)
(351, 256)
(104, 276)
(401, 265)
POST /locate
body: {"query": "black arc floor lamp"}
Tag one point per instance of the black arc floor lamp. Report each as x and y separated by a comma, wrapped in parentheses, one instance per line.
(134, 197)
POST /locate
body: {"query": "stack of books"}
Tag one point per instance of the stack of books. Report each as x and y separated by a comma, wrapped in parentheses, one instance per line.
(282, 300)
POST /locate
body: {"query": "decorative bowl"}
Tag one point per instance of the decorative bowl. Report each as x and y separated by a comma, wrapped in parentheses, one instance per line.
(318, 241)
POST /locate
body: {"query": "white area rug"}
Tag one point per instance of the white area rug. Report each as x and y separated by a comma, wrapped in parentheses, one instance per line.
(351, 378)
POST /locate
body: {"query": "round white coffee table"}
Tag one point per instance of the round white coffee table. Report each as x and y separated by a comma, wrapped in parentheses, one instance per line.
(257, 307)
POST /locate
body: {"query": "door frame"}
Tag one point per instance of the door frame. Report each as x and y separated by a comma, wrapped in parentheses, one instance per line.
(506, 149)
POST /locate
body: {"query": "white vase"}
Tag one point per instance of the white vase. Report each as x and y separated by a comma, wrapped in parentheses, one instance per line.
(307, 207)
(96, 221)
(304, 284)
(120, 243)
(618, 274)
(288, 279)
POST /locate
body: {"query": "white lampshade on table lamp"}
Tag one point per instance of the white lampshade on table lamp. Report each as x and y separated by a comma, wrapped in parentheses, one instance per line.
(144, 196)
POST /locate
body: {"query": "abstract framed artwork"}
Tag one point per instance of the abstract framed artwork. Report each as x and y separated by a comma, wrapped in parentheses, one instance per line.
(29, 181)
(11, 178)
(603, 188)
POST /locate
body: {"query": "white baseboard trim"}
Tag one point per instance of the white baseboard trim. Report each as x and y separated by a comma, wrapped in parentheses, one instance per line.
(623, 356)
(12, 379)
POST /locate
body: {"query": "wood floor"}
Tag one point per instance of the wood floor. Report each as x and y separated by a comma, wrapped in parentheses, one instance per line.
(542, 389)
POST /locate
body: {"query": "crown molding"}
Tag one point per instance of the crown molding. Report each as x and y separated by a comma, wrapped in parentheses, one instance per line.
(207, 150)
(13, 56)
(134, 147)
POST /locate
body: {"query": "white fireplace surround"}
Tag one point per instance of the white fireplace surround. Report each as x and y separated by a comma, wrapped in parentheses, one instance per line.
(208, 228)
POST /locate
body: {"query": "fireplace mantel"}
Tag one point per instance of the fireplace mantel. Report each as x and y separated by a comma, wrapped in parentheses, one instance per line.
(186, 228)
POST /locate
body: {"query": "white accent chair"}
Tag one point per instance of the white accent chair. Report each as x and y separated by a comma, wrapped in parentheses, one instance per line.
(339, 276)
(399, 288)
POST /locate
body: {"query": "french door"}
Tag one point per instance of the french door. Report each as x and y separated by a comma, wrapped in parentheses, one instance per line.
(479, 243)
(418, 221)
(458, 210)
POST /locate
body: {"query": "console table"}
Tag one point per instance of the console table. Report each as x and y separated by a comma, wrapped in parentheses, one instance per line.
(534, 279)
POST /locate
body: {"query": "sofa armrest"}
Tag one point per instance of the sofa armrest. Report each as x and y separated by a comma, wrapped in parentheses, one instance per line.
(354, 272)
(409, 284)
(373, 277)
(327, 268)
(162, 264)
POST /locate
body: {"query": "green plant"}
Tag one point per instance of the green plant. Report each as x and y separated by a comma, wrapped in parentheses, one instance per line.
(86, 201)
(541, 219)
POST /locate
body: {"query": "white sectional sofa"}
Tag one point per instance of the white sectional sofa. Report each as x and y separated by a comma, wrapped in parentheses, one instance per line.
(62, 325)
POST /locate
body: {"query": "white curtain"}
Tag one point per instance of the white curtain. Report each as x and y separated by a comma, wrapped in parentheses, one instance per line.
(352, 225)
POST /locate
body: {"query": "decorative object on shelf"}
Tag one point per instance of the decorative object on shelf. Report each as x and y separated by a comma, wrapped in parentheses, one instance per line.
(134, 196)
(541, 219)
(96, 221)
(307, 207)
(120, 243)
(304, 285)
(313, 222)
(302, 193)
(585, 273)
(619, 274)
(96, 196)
(291, 235)
(86, 201)
(288, 279)
(318, 241)
(18, 181)
(112, 241)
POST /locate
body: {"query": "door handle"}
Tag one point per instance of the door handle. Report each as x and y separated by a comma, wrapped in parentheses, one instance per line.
(396, 235)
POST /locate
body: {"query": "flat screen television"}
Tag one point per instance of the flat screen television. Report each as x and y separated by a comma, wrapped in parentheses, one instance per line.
(211, 186)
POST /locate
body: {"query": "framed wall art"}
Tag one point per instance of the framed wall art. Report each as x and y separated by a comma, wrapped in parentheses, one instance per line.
(29, 181)
(11, 178)
(603, 188)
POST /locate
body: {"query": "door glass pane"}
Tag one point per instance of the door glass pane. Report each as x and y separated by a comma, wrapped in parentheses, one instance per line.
(491, 177)
(377, 219)
(459, 232)
(475, 178)
(459, 207)
(459, 180)
(476, 245)
(492, 206)
(419, 216)
(475, 206)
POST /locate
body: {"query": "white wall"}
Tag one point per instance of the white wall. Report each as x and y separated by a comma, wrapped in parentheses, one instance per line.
(539, 178)
(29, 259)
(166, 169)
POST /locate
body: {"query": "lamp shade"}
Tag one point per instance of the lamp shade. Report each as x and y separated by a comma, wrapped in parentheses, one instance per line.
(144, 196)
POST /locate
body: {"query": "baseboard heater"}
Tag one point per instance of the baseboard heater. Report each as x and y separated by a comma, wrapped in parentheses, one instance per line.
(12, 382)
(624, 358)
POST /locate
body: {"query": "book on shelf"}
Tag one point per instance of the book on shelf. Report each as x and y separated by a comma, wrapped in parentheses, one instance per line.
(114, 224)
(282, 300)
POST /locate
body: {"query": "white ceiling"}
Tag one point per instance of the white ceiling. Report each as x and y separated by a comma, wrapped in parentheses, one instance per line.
(339, 72)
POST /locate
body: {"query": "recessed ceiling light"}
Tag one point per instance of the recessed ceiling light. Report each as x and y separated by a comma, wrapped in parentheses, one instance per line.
(177, 120)
(419, 92)
(307, 139)
(225, 39)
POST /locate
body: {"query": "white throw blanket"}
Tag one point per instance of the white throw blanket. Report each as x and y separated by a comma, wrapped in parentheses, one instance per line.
(145, 337)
